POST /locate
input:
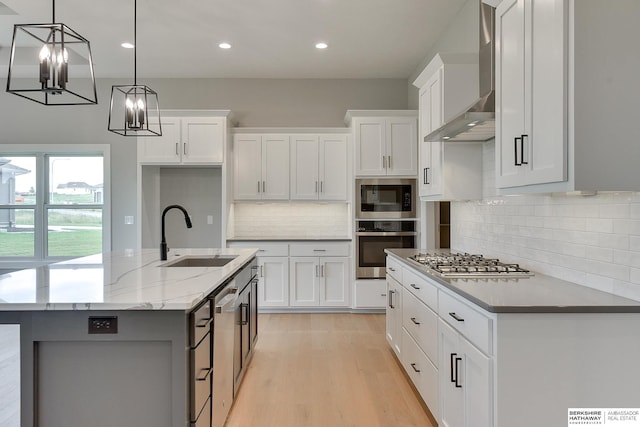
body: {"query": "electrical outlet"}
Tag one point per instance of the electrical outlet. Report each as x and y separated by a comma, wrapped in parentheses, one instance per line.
(209, 219)
(128, 219)
(103, 325)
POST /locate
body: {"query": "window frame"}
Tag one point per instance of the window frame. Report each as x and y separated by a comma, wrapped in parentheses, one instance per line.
(42, 152)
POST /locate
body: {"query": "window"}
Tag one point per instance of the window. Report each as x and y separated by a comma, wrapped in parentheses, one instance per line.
(52, 204)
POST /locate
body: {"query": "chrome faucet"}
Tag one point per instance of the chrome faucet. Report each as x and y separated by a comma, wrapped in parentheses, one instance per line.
(163, 244)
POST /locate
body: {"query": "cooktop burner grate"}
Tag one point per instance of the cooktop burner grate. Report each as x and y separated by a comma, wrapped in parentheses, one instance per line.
(468, 265)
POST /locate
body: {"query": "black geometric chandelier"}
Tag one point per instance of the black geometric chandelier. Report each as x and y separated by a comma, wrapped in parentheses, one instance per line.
(134, 109)
(51, 64)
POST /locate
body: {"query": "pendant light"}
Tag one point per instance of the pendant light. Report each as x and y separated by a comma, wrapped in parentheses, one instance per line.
(51, 64)
(134, 109)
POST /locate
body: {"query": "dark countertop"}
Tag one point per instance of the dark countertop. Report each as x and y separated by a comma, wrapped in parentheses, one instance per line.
(536, 294)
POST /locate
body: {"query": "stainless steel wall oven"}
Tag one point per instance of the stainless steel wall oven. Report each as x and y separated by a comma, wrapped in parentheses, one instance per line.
(373, 237)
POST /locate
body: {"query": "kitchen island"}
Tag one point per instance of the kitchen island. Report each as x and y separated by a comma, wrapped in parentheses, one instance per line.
(512, 352)
(109, 339)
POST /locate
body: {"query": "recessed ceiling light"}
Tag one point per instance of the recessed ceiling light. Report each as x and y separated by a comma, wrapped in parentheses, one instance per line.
(127, 45)
(224, 45)
(321, 45)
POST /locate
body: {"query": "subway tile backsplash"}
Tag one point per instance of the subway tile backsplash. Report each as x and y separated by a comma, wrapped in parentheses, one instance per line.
(590, 240)
(263, 220)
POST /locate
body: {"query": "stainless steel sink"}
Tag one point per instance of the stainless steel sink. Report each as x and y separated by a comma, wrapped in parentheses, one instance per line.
(202, 261)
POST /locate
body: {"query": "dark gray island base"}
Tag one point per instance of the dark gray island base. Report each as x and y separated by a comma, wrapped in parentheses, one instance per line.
(131, 345)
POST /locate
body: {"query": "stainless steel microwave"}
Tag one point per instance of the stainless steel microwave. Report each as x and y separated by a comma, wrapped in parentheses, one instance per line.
(385, 198)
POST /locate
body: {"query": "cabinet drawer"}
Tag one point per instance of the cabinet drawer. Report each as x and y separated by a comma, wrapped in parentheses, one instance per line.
(475, 326)
(394, 269)
(421, 287)
(422, 372)
(264, 248)
(200, 376)
(421, 323)
(319, 249)
(200, 323)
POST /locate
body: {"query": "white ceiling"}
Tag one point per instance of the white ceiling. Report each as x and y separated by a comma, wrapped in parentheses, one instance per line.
(270, 38)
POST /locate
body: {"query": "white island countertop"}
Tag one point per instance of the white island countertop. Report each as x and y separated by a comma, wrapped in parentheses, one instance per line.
(124, 280)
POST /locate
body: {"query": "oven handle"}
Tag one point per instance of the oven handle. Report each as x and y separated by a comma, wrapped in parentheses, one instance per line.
(386, 233)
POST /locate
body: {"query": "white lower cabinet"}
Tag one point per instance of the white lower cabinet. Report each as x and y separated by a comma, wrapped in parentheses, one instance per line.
(302, 273)
(273, 281)
(465, 381)
(319, 281)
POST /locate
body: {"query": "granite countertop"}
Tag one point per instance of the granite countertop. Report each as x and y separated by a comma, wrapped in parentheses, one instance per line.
(536, 294)
(124, 280)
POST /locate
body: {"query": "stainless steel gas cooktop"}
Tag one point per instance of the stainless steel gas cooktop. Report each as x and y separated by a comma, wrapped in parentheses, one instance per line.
(457, 265)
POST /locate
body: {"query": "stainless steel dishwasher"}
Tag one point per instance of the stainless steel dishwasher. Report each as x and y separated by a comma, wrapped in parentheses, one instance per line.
(223, 345)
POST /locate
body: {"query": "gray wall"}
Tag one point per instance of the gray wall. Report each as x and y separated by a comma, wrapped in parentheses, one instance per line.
(460, 36)
(255, 102)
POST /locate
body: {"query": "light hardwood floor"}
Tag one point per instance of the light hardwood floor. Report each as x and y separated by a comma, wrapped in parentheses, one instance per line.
(325, 370)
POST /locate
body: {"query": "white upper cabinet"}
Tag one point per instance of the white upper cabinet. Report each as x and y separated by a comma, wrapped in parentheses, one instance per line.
(565, 117)
(448, 171)
(261, 167)
(185, 140)
(531, 93)
(385, 145)
(319, 167)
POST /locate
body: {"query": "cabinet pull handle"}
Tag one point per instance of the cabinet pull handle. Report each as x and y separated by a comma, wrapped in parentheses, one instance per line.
(204, 373)
(455, 316)
(202, 323)
(317, 271)
(392, 269)
(321, 189)
(413, 365)
(457, 372)
(522, 137)
(244, 307)
(389, 162)
(515, 147)
(264, 186)
(451, 357)
(184, 148)
(177, 152)
(322, 270)
(258, 186)
(413, 285)
(390, 299)
(413, 319)
(426, 176)
(319, 250)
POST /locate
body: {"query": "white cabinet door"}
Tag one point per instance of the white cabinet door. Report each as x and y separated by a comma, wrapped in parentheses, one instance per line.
(370, 140)
(451, 392)
(305, 181)
(261, 167)
(431, 152)
(304, 281)
(333, 167)
(401, 146)
(275, 167)
(531, 141)
(334, 283)
(247, 167)
(164, 149)
(202, 139)
(185, 140)
(475, 380)
(273, 281)
(465, 382)
(394, 315)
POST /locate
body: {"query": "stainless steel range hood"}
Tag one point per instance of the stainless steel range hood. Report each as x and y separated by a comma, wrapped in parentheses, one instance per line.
(476, 122)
